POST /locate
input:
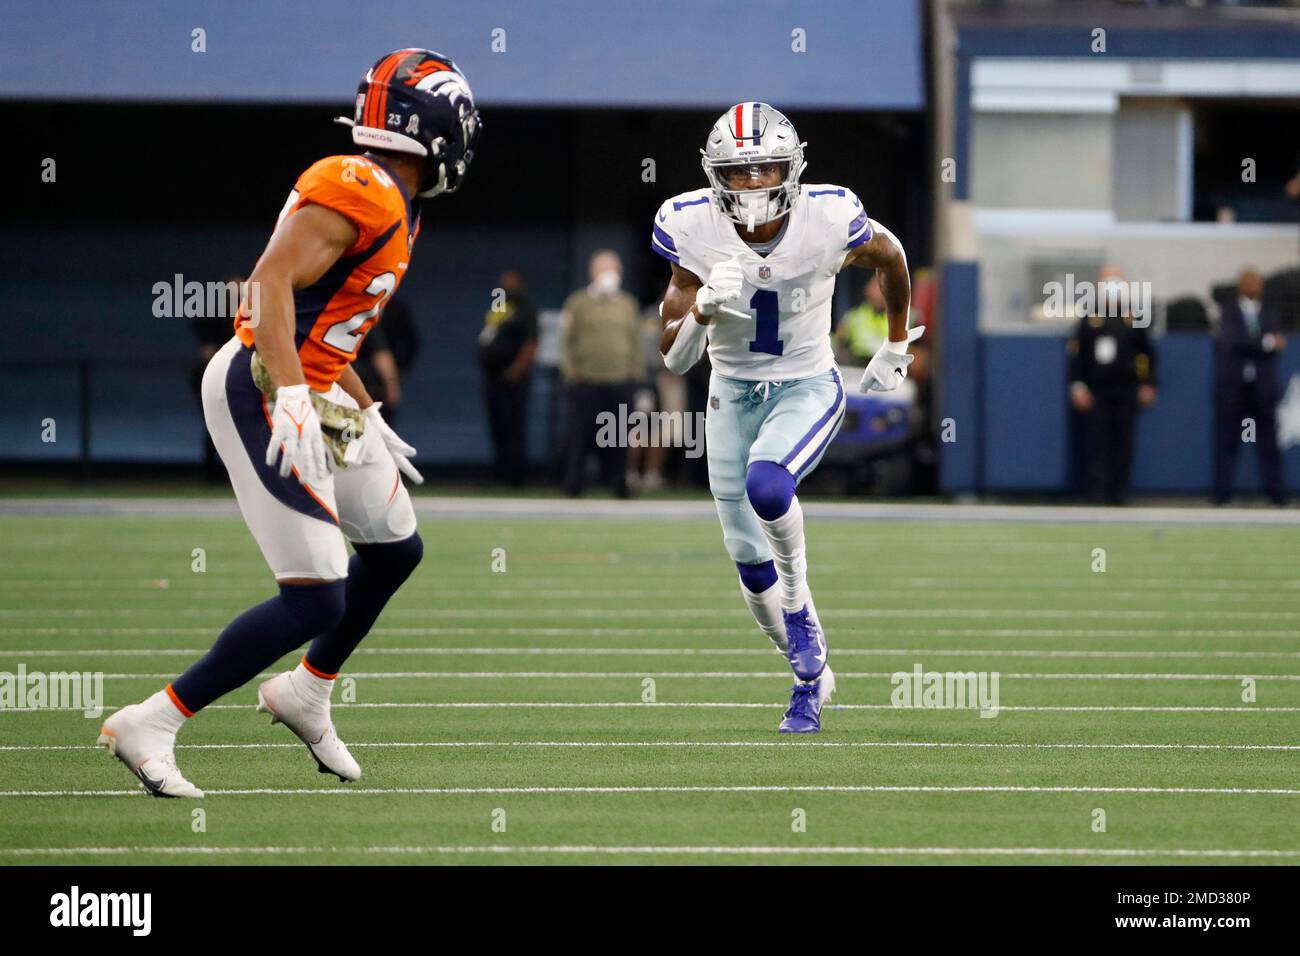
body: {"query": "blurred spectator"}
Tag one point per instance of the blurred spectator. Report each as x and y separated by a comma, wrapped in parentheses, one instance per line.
(601, 362)
(659, 391)
(1112, 377)
(506, 348)
(1245, 387)
(401, 335)
(864, 329)
(376, 365)
(386, 354)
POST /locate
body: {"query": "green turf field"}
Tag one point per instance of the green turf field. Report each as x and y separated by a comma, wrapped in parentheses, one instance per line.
(518, 697)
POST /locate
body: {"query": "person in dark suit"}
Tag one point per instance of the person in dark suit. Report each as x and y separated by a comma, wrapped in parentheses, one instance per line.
(1245, 387)
(1112, 377)
(507, 346)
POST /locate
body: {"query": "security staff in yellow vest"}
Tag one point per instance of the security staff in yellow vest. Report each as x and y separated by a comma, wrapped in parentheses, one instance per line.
(864, 329)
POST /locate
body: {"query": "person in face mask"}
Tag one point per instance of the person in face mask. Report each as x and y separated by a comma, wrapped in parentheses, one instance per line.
(601, 360)
(1112, 377)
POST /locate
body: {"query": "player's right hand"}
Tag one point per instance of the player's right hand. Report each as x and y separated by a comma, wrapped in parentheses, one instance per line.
(295, 436)
(723, 286)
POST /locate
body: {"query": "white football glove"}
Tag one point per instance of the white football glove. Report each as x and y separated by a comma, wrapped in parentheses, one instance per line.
(295, 431)
(723, 286)
(888, 367)
(400, 450)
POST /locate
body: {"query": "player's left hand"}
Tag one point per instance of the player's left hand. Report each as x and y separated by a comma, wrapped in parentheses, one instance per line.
(400, 450)
(888, 367)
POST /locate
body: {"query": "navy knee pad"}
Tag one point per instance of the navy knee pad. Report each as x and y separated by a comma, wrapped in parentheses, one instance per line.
(770, 489)
(757, 578)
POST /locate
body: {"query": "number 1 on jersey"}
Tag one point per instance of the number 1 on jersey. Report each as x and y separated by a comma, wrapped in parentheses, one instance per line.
(767, 315)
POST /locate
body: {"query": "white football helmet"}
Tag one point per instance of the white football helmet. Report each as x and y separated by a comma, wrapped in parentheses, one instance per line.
(746, 136)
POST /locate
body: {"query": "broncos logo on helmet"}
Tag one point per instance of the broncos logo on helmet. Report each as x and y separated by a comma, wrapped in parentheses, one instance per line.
(418, 101)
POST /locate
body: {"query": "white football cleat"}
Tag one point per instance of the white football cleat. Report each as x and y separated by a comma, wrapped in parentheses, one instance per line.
(147, 750)
(310, 722)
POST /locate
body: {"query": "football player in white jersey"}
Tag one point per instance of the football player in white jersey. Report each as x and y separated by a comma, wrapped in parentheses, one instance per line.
(754, 259)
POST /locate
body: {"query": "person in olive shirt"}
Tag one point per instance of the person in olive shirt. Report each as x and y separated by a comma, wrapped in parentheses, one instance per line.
(601, 361)
(506, 348)
(1112, 377)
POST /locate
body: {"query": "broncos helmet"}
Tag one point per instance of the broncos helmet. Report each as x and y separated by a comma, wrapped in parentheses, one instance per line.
(749, 135)
(419, 102)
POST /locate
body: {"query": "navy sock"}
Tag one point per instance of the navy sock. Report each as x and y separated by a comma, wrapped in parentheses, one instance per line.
(375, 573)
(257, 639)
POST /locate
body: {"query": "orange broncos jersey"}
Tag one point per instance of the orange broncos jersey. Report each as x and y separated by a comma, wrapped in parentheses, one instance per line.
(334, 313)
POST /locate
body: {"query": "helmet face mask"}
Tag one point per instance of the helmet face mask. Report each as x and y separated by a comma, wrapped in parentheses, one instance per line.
(417, 102)
(753, 159)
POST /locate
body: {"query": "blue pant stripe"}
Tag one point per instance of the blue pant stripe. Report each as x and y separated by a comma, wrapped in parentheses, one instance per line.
(247, 411)
(830, 413)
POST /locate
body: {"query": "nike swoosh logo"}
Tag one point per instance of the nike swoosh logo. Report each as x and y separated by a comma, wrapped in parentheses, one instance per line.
(149, 782)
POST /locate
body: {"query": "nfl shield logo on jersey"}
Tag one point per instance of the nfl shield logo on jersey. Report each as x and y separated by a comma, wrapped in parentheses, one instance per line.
(765, 272)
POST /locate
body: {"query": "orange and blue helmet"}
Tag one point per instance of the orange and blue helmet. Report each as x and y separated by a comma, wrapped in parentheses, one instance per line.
(418, 102)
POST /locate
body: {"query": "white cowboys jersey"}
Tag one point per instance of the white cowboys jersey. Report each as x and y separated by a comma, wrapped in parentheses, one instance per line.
(787, 293)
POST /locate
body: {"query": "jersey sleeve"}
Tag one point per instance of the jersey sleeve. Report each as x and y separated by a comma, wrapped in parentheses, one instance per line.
(850, 219)
(842, 220)
(672, 237)
(349, 186)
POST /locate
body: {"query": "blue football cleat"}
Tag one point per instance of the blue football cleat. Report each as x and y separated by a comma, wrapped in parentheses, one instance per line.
(804, 715)
(807, 653)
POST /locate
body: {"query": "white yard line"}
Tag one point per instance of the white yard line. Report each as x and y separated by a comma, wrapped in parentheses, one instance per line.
(487, 629)
(500, 850)
(726, 675)
(802, 788)
(723, 705)
(1214, 590)
(924, 613)
(695, 744)
(670, 652)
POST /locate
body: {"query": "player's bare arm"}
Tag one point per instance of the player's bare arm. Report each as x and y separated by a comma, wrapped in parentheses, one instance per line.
(301, 249)
(694, 305)
(351, 383)
(884, 253)
(679, 305)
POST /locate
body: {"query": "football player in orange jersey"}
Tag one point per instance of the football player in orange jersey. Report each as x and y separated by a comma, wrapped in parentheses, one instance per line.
(283, 390)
